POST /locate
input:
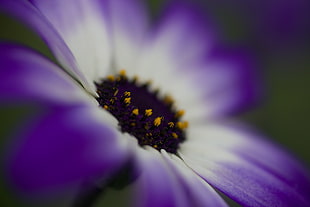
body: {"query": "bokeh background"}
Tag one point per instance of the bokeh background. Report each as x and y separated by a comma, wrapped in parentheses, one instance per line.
(275, 32)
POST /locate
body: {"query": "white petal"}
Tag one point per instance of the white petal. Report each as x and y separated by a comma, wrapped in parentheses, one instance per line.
(84, 29)
(245, 167)
(128, 22)
(197, 190)
(156, 184)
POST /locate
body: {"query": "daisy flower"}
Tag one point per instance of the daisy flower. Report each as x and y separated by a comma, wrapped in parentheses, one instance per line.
(152, 96)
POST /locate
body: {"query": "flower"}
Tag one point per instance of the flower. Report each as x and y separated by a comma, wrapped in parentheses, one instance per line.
(181, 147)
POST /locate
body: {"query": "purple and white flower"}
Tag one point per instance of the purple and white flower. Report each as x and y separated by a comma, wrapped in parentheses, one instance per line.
(181, 157)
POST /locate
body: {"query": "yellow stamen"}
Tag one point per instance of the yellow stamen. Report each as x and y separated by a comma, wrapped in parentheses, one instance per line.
(182, 125)
(106, 107)
(135, 112)
(122, 72)
(171, 124)
(174, 135)
(179, 113)
(127, 93)
(127, 100)
(110, 77)
(155, 145)
(112, 100)
(133, 124)
(157, 121)
(148, 112)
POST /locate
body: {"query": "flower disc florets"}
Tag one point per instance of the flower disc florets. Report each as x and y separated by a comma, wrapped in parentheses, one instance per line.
(140, 112)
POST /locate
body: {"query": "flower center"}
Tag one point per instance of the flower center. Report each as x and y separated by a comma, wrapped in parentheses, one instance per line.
(141, 112)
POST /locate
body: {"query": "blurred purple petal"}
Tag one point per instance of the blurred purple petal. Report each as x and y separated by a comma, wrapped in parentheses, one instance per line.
(29, 77)
(185, 34)
(65, 25)
(230, 81)
(111, 28)
(266, 25)
(66, 141)
(282, 25)
(251, 171)
(84, 27)
(183, 45)
(28, 13)
(63, 147)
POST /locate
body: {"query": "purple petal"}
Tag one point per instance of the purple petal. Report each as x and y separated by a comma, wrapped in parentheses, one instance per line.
(28, 13)
(198, 191)
(85, 35)
(63, 147)
(281, 26)
(128, 15)
(246, 168)
(68, 139)
(225, 77)
(74, 30)
(27, 76)
(229, 80)
(156, 184)
(84, 27)
(174, 50)
(216, 81)
(181, 34)
(128, 22)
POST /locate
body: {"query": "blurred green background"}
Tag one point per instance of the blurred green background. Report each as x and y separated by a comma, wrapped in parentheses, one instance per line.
(283, 114)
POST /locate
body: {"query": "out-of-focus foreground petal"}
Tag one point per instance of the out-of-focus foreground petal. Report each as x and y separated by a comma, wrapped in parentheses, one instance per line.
(63, 147)
(245, 167)
(68, 140)
(29, 77)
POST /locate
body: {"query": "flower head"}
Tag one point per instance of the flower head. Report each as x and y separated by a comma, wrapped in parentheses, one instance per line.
(161, 113)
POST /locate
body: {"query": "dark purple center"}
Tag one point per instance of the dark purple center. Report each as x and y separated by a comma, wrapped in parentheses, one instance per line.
(141, 112)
